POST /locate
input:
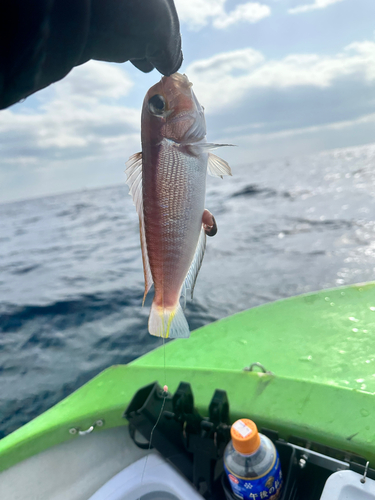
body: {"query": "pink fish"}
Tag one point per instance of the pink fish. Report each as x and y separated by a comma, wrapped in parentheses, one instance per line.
(167, 181)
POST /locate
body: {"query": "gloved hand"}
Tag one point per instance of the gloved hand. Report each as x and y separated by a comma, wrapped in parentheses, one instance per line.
(42, 40)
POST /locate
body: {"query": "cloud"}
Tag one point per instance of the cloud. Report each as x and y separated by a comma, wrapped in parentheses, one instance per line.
(318, 4)
(225, 79)
(293, 132)
(250, 12)
(77, 116)
(95, 79)
(301, 140)
(198, 13)
(79, 134)
(225, 63)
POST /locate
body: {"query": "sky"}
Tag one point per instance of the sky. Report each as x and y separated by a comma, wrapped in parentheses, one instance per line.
(277, 78)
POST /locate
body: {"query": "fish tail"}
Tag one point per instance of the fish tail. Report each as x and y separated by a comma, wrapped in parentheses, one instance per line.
(168, 323)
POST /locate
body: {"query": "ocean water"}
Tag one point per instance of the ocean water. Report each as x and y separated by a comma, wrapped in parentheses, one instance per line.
(71, 279)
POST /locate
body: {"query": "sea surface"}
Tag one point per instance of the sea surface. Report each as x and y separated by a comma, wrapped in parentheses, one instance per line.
(71, 279)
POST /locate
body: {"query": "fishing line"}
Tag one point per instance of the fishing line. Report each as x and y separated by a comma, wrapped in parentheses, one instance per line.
(165, 371)
(165, 394)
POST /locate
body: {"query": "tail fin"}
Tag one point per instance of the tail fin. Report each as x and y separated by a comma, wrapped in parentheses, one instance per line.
(168, 323)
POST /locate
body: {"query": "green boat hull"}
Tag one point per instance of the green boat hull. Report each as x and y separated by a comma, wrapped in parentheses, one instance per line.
(319, 347)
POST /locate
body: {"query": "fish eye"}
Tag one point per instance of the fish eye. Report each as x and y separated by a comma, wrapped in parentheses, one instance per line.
(156, 104)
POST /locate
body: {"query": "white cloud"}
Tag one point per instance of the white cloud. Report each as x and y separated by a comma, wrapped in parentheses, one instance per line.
(226, 62)
(198, 13)
(79, 115)
(63, 125)
(79, 135)
(94, 80)
(250, 12)
(292, 132)
(318, 4)
(76, 133)
(226, 78)
(294, 141)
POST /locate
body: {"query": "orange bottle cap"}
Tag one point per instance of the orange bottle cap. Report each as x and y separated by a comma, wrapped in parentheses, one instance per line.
(245, 436)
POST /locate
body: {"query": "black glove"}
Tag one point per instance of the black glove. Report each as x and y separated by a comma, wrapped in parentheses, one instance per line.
(42, 40)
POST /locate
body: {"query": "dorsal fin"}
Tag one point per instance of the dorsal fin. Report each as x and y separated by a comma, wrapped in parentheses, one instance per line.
(134, 181)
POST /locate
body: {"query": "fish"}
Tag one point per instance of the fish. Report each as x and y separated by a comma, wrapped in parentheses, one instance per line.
(167, 182)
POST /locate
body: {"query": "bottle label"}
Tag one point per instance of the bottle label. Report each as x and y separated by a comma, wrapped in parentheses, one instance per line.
(267, 487)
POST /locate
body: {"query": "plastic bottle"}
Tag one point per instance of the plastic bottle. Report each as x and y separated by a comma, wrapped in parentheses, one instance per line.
(252, 463)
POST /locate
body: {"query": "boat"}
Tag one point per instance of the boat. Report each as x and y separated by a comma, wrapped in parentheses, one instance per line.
(302, 368)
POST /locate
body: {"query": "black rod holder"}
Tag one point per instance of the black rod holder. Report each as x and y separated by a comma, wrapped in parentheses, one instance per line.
(193, 444)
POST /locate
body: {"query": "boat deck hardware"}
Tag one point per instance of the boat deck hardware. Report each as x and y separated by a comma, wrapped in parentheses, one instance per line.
(77, 430)
(354, 462)
(303, 461)
(363, 479)
(320, 460)
(194, 444)
(258, 365)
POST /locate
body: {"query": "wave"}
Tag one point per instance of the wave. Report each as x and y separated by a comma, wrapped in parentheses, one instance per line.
(71, 312)
(265, 192)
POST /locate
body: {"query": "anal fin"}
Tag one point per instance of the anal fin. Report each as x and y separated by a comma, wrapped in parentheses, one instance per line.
(195, 266)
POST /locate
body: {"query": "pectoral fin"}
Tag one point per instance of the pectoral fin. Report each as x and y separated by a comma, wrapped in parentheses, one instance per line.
(209, 223)
(217, 167)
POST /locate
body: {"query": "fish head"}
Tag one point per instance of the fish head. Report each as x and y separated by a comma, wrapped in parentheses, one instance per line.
(171, 111)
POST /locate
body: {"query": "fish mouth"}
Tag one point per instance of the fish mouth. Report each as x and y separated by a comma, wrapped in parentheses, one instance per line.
(180, 79)
(176, 84)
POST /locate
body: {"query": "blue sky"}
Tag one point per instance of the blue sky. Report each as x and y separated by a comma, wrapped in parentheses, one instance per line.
(276, 77)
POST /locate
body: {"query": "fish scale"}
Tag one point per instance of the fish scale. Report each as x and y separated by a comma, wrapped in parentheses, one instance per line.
(178, 231)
